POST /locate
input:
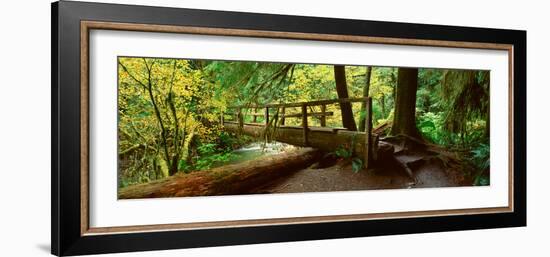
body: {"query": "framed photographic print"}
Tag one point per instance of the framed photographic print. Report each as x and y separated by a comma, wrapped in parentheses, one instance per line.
(177, 128)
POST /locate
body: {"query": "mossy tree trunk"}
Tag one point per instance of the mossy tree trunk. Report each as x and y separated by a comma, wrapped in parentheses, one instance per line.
(366, 89)
(404, 119)
(342, 90)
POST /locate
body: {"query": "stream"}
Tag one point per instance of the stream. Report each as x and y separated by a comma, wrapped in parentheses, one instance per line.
(257, 149)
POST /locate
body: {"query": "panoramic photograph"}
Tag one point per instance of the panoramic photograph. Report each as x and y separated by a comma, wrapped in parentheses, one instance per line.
(192, 127)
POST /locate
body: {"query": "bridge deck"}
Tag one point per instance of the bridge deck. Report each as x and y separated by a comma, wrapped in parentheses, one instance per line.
(323, 137)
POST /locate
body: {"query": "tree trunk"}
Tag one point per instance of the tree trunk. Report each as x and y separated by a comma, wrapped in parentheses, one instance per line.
(238, 178)
(382, 103)
(394, 86)
(404, 119)
(163, 131)
(174, 165)
(488, 123)
(366, 89)
(342, 90)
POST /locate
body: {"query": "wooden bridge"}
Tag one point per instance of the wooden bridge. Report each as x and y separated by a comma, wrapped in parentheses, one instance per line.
(273, 126)
(245, 177)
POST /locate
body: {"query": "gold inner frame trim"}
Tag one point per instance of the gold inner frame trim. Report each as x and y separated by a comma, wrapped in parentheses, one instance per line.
(86, 26)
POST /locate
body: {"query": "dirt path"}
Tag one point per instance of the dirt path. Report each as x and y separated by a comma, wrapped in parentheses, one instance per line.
(340, 177)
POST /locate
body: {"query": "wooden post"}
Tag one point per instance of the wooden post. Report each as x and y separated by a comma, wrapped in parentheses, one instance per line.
(266, 116)
(221, 118)
(323, 117)
(304, 123)
(240, 119)
(368, 132)
(374, 148)
(254, 117)
(283, 116)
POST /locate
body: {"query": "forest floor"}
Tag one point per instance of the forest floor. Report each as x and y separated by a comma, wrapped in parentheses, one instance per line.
(298, 170)
(340, 177)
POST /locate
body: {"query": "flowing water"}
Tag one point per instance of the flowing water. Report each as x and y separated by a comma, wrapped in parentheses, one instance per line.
(258, 149)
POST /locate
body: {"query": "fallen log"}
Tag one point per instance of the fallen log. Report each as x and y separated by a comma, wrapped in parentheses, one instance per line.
(225, 180)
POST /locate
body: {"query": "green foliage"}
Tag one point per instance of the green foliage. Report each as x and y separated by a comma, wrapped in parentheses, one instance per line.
(347, 152)
(343, 152)
(356, 164)
(431, 126)
(215, 153)
(250, 82)
(482, 180)
(481, 160)
(228, 142)
(481, 156)
(183, 166)
(466, 94)
(452, 107)
(163, 104)
(205, 162)
(211, 155)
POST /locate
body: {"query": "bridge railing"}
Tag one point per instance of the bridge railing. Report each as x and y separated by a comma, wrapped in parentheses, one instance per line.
(278, 112)
(240, 112)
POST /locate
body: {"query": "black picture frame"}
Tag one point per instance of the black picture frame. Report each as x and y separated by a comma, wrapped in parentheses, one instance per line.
(66, 235)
